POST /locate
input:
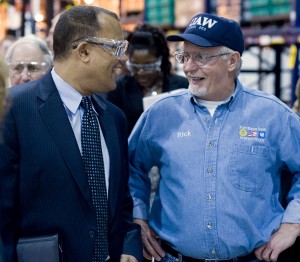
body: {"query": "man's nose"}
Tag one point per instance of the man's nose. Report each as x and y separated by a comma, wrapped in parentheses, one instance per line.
(25, 75)
(190, 65)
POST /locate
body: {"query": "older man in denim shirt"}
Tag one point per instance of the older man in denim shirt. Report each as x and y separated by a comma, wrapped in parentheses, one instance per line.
(220, 148)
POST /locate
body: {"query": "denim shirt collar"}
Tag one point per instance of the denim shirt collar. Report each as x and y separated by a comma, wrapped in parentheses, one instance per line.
(230, 101)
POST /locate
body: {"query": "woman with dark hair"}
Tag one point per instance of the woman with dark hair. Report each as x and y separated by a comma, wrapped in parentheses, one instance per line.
(149, 72)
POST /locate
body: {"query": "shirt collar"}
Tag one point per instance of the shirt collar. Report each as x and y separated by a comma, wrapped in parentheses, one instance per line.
(230, 100)
(69, 95)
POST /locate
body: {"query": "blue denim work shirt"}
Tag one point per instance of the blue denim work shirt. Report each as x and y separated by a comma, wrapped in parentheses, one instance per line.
(219, 193)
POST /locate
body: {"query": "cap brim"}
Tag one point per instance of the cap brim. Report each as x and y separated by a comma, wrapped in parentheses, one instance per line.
(194, 39)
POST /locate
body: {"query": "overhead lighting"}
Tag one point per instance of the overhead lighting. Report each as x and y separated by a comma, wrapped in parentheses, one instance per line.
(39, 17)
(264, 40)
(88, 2)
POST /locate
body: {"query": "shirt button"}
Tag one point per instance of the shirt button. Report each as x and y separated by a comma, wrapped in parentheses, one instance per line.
(209, 226)
(208, 197)
(206, 119)
(209, 170)
(91, 234)
(211, 144)
(214, 251)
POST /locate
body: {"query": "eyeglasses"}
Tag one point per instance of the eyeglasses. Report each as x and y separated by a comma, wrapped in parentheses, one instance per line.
(145, 68)
(115, 47)
(198, 58)
(33, 68)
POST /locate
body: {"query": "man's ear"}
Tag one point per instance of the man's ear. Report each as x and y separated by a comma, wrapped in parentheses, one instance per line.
(83, 51)
(234, 60)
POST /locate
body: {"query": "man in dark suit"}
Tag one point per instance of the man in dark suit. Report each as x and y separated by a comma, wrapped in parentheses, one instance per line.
(44, 186)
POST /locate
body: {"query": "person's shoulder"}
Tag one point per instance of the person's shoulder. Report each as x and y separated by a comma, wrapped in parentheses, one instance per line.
(23, 89)
(268, 100)
(168, 100)
(259, 94)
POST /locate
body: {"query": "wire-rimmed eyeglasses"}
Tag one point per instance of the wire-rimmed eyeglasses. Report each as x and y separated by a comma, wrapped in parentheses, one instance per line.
(198, 58)
(115, 47)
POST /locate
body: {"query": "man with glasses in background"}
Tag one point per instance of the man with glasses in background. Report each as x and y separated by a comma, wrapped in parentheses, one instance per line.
(28, 59)
(219, 147)
(64, 157)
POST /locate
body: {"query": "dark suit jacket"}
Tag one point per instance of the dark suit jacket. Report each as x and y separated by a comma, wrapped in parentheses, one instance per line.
(43, 185)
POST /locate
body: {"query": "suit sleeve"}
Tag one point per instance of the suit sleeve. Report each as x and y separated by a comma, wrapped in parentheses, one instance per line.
(132, 243)
(9, 170)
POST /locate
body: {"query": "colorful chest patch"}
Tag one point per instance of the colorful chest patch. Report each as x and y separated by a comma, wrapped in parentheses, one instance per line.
(252, 133)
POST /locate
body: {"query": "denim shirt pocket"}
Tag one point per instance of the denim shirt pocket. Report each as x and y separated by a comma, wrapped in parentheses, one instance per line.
(247, 167)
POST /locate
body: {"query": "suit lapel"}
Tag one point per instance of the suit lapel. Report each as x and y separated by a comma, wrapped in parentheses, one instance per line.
(56, 119)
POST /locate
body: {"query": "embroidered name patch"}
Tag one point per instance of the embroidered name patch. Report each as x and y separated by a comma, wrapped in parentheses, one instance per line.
(184, 134)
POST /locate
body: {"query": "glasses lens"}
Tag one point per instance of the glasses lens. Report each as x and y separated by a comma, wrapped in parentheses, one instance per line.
(144, 68)
(180, 57)
(121, 49)
(114, 47)
(17, 68)
(200, 59)
(34, 68)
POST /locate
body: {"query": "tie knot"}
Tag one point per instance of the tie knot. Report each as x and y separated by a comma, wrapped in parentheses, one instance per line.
(86, 104)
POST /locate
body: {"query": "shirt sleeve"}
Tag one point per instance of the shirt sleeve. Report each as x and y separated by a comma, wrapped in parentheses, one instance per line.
(9, 170)
(290, 152)
(140, 163)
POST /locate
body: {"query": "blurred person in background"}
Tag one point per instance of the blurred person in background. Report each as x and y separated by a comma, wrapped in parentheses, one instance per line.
(3, 85)
(149, 72)
(51, 31)
(28, 59)
(63, 5)
(296, 105)
(6, 43)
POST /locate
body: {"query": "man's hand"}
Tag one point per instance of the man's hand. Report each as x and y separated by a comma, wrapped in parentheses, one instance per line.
(128, 258)
(150, 243)
(282, 239)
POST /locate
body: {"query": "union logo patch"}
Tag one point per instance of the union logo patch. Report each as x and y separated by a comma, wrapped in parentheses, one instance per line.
(252, 133)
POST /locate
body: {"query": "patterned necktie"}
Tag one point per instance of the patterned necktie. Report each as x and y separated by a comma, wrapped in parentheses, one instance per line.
(94, 167)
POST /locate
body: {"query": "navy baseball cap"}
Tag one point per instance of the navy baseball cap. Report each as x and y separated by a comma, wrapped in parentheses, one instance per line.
(210, 30)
